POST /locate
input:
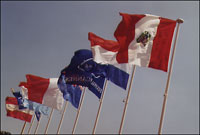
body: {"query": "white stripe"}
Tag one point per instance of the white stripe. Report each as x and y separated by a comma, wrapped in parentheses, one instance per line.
(138, 54)
(100, 55)
(53, 97)
(24, 92)
(12, 107)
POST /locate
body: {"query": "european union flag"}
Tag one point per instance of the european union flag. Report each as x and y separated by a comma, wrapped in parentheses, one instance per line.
(82, 70)
(71, 93)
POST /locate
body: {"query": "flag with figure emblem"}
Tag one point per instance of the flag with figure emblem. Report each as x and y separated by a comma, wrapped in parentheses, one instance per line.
(142, 40)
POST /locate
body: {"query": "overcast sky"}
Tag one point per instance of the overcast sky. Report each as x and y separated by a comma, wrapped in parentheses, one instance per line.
(41, 37)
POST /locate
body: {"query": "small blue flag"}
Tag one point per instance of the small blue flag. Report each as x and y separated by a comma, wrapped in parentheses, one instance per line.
(20, 100)
(37, 114)
(71, 93)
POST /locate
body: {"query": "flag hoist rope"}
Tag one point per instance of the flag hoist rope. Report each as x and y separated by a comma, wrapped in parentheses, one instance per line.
(126, 101)
(31, 124)
(179, 21)
(78, 111)
(100, 104)
(62, 117)
(45, 132)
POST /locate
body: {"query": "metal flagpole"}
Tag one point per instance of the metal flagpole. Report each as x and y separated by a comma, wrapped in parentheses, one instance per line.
(37, 125)
(179, 21)
(23, 127)
(78, 111)
(100, 104)
(45, 132)
(126, 101)
(62, 117)
(31, 124)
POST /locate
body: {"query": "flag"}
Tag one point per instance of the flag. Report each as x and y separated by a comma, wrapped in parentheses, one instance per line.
(71, 93)
(43, 91)
(119, 74)
(142, 40)
(20, 100)
(13, 110)
(24, 103)
(82, 70)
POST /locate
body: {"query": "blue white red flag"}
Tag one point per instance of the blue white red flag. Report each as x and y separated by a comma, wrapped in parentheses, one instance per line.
(42, 90)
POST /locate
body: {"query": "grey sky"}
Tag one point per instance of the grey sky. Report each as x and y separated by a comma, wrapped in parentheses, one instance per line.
(40, 38)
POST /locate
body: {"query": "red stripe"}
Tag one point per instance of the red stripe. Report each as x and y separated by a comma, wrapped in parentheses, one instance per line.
(11, 100)
(124, 34)
(37, 86)
(109, 45)
(23, 84)
(19, 115)
(162, 44)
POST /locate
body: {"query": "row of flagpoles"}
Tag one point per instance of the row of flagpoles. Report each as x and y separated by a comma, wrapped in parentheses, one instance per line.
(179, 21)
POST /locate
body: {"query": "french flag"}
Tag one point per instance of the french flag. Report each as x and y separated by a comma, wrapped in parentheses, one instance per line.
(42, 90)
(142, 40)
(13, 110)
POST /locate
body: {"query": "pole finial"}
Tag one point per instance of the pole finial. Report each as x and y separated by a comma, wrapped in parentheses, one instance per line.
(12, 90)
(179, 20)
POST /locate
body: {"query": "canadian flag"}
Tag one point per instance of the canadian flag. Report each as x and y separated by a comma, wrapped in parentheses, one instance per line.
(142, 40)
(42, 90)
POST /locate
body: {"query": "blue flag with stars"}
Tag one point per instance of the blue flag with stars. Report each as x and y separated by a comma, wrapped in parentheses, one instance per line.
(82, 70)
(71, 93)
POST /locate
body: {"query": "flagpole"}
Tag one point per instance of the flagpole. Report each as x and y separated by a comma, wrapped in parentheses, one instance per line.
(179, 21)
(100, 104)
(31, 124)
(127, 99)
(45, 132)
(37, 125)
(79, 108)
(62, 117)
(23, 127)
